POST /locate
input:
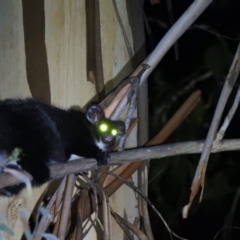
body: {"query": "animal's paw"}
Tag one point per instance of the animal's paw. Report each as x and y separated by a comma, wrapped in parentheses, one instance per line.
(102, 159)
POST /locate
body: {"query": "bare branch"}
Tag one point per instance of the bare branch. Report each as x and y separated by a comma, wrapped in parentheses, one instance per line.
(133, 104)
(61, 169)
(227, 88)
(229, 117)
(176, 31)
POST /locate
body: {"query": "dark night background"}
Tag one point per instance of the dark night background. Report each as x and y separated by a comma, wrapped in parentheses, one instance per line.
(205, 53)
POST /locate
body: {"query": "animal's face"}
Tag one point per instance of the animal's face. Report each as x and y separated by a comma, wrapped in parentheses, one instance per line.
(105, 131)
(108, 133)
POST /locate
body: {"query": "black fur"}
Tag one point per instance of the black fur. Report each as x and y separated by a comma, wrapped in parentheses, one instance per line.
(46, 134)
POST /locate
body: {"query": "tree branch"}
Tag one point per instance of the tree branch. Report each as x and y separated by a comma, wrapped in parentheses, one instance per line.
(61, 169)
(176, 31)
(199, 177)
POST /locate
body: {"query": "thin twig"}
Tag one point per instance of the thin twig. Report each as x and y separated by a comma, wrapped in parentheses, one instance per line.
(133, 187)
(90, 183)
(45, 221)
(97, 220)
(79, 226)
(106, 215)
(229, 117)
(134, 80)
(132, 95)
(225, 228)
(230, 216)
(66, 207)
(138, 233)
(122, 226)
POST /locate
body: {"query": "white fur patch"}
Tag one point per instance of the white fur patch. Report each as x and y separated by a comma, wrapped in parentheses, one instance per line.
(101, 145)
(73, 157)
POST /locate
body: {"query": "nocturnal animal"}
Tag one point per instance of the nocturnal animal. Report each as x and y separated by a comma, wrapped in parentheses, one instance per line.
(47, 134)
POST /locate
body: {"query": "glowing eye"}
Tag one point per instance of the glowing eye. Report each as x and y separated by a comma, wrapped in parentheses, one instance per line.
(103, 127)
(114, 132)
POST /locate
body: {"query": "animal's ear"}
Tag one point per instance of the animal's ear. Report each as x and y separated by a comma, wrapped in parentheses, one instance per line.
(121, 127)
(94, 114)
